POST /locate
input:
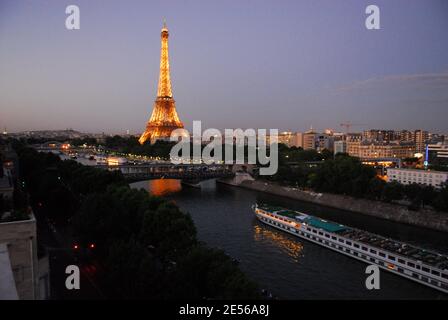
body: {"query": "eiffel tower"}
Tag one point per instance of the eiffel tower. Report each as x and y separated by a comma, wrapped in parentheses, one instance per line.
(164, 118)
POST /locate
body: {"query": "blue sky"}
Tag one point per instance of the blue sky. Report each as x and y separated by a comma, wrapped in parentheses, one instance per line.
(259, 64)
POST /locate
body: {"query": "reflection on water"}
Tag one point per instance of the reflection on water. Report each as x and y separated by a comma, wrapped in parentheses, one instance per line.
(162, 187)
(288, 266)
(292, 248)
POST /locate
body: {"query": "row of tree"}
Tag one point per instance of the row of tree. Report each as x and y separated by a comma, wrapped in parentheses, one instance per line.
(146, 246)
(346, 175)
(131, 145)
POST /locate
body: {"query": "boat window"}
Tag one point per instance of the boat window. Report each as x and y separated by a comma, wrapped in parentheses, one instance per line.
(401, 261)
(411, 264)
(371, 250)
(333, 237)
(435, 272)
(425, 269)
(444, 275)
(356, 245)
(341, 240)
(400, 270)
(349, 243)
(327, 235)
(382, 254)
(391, 257)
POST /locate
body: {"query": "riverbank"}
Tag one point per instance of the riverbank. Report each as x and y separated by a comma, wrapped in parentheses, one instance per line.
(423, 218)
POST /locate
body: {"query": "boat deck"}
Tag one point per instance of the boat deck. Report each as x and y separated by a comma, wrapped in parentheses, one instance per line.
(406, 250)
(402, 249)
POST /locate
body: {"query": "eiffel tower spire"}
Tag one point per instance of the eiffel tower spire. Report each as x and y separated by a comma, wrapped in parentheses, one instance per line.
(164, 88)
(164, 118)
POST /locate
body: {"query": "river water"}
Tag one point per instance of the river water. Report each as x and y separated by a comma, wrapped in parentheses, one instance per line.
(289, 267)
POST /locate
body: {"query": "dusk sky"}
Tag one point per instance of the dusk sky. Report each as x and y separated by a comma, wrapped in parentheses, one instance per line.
(249, 64)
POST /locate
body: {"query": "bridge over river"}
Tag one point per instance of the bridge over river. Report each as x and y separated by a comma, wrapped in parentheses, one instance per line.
(186, 172)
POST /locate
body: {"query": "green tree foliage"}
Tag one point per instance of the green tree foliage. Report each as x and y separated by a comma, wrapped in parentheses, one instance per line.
(346, 175)
(440, 201)
(80, 141)
(131, 145)
(145, 245)
(210, 273)
(392, 191)
(132, 272)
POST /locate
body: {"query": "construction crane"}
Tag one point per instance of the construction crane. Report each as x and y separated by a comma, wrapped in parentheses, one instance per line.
(348, 125)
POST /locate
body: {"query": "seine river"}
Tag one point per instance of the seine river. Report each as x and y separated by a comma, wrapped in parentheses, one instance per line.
(289, 267)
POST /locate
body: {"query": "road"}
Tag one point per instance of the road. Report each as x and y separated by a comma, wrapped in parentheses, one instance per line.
(60, 253)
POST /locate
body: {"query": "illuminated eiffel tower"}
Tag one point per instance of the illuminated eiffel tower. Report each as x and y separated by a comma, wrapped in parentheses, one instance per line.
(164, 118)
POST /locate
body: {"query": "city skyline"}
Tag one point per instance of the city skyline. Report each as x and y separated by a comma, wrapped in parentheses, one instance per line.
(284, 66)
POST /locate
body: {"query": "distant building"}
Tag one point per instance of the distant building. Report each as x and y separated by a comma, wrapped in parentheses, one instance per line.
(309, 140)
(437, 138)
(437, 153)
(324, 141)
(299, 140)
(421, 138)
(340, 147)
(353, 142)
(406, 136)
(373, 150)
(380, 135)
(329, 132)
(287, 138)
(338, 136)
(423, 177)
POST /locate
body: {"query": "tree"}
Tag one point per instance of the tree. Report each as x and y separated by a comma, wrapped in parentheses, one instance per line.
(440, 201)
(210, 273)
(168, 231)
(427, 195)
(132, 272)
(392, 191)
